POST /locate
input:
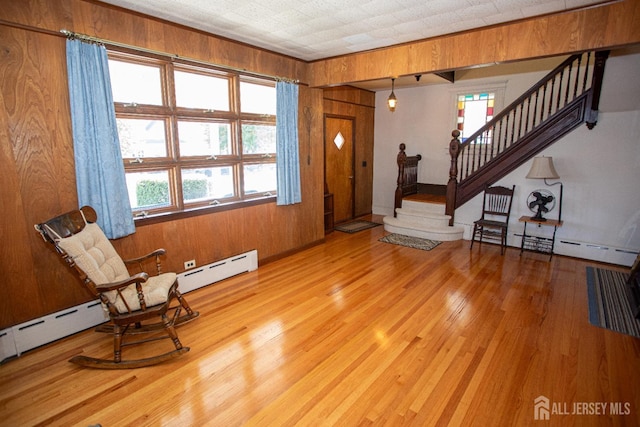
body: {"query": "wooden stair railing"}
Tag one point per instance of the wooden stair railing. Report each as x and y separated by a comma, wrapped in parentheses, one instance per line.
(407, 182)
(557, 104)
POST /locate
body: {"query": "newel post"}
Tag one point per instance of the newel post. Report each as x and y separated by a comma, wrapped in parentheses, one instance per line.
(402, 159)
(452, 185)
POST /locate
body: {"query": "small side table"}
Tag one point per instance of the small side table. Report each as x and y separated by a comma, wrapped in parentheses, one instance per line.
(537, 243)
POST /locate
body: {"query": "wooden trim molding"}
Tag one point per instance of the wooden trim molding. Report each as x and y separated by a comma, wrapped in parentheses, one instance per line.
(606, 26)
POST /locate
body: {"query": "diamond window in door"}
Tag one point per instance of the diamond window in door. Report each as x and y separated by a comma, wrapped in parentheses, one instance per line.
(339, 140)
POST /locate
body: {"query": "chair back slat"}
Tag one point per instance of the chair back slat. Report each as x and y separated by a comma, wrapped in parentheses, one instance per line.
(497, 204)
(497, 201)
(67, 224)
(64, 225)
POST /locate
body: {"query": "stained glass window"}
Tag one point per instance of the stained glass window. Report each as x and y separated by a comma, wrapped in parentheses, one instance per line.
(474, 111)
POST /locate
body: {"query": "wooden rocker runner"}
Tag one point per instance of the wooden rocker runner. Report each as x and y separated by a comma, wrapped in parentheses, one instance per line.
(136, 304)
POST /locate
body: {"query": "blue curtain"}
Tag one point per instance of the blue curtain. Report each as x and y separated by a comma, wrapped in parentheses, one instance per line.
(287, 159)
(99, 170)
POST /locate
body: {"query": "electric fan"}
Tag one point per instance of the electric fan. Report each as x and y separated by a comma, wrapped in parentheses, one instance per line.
(539, 202)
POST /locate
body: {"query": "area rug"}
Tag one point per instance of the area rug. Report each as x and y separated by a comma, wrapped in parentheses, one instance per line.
(354, 226)
(409, 241)
(609, 305)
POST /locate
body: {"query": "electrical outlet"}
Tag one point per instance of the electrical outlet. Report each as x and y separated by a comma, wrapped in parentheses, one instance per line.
(189, 264)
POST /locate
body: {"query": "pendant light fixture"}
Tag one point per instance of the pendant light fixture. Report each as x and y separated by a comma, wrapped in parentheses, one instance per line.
(392, 101)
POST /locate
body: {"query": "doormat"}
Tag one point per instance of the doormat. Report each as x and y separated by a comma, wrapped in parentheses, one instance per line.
(609, 303)
(409, 241)
(355, 226)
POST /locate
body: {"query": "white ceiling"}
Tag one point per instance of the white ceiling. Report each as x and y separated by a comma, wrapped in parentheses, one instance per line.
(317, 29)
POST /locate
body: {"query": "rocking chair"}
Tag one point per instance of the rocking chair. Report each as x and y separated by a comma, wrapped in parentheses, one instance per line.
(135, 304)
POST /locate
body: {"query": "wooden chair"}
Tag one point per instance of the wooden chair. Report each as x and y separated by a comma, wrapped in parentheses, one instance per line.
(494, 222)
(138, 304)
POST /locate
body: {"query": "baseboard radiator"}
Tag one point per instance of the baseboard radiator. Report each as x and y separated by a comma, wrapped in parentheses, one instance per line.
(596, 252)
(26, 336)
(216, 271)
(34, 333)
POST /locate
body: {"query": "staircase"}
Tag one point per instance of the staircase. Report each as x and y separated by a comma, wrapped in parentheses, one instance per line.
(424, 219)
(565, 98)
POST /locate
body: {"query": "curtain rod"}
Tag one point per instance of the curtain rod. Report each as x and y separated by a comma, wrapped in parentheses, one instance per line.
(84, 37)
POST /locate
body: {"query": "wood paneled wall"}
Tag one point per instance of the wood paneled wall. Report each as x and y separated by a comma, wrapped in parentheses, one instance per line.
(601, 27)
(37, 166)
(360, 105)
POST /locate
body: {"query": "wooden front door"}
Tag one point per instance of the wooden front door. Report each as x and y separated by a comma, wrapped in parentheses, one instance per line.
(339, 168)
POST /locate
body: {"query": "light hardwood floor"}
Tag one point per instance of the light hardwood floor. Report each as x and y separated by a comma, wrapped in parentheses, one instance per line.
(356, 332)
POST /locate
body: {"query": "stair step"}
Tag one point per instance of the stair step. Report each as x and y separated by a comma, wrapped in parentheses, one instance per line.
(421, 217)
(424, 219)
(442, 234)
(437, 208)
(431, 198)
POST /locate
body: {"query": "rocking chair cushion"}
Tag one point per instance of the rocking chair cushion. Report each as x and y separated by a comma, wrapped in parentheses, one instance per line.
(155, 290)
(93, 253)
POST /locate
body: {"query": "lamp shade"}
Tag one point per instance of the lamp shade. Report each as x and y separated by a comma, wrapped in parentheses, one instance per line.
(392, 101)
(542, 167)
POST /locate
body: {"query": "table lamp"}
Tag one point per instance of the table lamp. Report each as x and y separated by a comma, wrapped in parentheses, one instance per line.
(542, 168)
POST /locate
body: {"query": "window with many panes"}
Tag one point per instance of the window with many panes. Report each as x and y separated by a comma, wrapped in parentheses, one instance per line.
(192, 136)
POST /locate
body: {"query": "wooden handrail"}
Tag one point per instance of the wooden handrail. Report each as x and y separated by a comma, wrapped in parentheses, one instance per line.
(524, 114)
(525, 96)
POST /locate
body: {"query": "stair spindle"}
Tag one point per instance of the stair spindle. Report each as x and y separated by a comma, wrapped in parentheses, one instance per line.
(513, 127)
(521, 108)
(544, 101)
(586, 72)
(550, 112)
(566, 95)
(559, 95)
(534, 106)
(499, 137)
(577, 82)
